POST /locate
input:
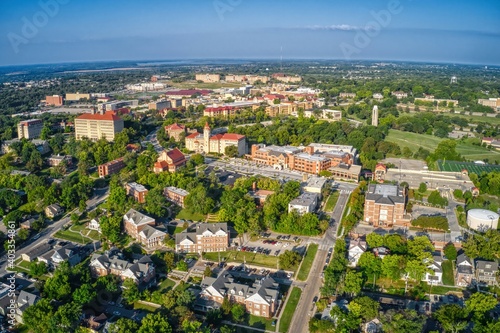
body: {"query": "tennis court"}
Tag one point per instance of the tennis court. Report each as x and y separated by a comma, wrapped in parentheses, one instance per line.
(455, 166)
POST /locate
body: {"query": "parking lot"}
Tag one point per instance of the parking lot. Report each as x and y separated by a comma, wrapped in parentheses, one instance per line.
(271, 245)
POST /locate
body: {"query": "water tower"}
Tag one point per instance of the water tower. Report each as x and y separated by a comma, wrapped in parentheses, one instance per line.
(453, 79)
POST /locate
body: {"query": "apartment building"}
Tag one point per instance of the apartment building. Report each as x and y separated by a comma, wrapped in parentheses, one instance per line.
(228, 109)
(208, 143)
(138, 191)
(208, 237)
(159, 105)
(385, 205)
(112, 167)
(176, 131)
(208, 78)
(493, 103)
(175, 195)
(54, 100)
(142, 228)
(142, 270)
(29, 129)
(465, 271)
(486, 272)
(399, 94)
(246, 78)
(170, 160)
(55, 160)
(286, 78)
(328, 115)
(95, 126)
(260, 297)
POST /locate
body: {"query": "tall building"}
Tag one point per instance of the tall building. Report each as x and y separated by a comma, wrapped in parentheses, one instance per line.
(208, 77)
(385, 205)
(375, 116)
(29, 129)
(208, 143)
(77, 96)
(55, 100)
(98, 125)
(111, 167)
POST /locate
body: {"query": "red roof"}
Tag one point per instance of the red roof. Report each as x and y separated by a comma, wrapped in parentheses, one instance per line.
(108, 115)
(175, 126)
(206, 125)
(232, 136)
(216, 137)
(219, 108)
(274, 96)
(176, 155)
(161, 165)
(193, 135)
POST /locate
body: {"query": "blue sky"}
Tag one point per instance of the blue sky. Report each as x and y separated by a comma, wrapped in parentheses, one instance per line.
(459, 31)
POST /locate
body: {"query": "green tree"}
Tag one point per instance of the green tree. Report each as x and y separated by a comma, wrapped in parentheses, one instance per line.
(238, 312)
(231, 151)
(353, 282)
(370, 264)
(450, 252)
(155, 323)
(368, 307)
(84, 295)
(37, 317)
(38, 269)
(131, 292)
(182, 266)
(156, 202)
(402, 321)
(480, 304)
(422, 188)
(289, 259)
(452, 318)
(393, 266)
(124, 325)
(374, 240)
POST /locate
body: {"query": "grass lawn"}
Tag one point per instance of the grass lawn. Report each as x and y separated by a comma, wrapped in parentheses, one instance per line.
(24, 264)
(72, 237)
(166, 284)
(440, 290)
(332, 201)
(251, 258)
(260, 322)
(307, 262)
(213, 218)
(413, 141)
(289, 310)
(186, 215)
(145, 307)
(448, 273)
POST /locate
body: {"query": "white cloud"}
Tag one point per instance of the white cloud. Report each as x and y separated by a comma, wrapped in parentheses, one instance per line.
(337, 27)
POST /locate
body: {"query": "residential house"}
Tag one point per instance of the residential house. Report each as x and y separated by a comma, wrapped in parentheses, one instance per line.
(95, 323)
(36, 252)
(55, 160)
(380, 252)
(70, 253)
(259, 296)
(141, 270)
(304, 203)
(208, 237)
(24, 300)
(399, 94)
(138, 191)
(53, 211)
(434, 277)
(465, 271)
(356, 249)
(486, 272)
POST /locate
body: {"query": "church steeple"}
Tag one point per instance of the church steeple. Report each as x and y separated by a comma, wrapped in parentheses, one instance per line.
(206, 137)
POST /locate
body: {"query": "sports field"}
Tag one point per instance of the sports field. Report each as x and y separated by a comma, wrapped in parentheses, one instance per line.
(455, 166)
(430, 142)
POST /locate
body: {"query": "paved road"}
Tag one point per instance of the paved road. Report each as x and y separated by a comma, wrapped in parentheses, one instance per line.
(305, 307)
(100, 196)
(251, 168)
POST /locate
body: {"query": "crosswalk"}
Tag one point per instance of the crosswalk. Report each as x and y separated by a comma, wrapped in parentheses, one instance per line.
(346, 191)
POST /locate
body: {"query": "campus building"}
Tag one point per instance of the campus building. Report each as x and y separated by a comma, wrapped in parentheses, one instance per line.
(210, 78)
(54, 100)
(170, 160)
(29, 129)
(95, 126)
(208, 237)
(137, 191)
(175, 195)
(385, 206)
(112, 167)
(142, 228)
(208, 143)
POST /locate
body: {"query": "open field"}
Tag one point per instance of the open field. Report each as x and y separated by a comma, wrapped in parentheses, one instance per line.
(289, 310)
(448, 273)
(413, 141)
(307, 262)
(454, 166)
(248, 257)
(185, 215)
(331, 201)
(72, 237)
(260, 323)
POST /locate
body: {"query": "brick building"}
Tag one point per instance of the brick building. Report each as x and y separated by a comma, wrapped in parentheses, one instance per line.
(176, 131)
(208, 143)
(55, 100)
(138, 191)
(208, 237)
(29, 129)
(175, 195)
(111, 167)
(95, 126)
(385, 205)
(170, 160)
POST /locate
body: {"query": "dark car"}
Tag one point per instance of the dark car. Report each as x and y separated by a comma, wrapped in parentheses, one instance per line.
(315, 299)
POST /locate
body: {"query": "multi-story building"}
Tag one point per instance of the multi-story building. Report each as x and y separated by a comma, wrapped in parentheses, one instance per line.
(210, 78)
(53, 210)
(434, 275)
(175, 195)
(315, 185)
(304, 203)
(286, 108)
(465, 271)
(260, 297)
(138, 191)
(176, 131)
(228, 109)
(385, 205)
(29, 129)
(112, 167)
(493, 103)
(486, 272)
(356, 249)
(142, 271)
(55, 160)
(159, 105)
(142, 228)
(246, 78)
(347, 95)
(170, 160)
(55, 100)
(207, 143)
(287, 79)
(328, 115)
(208, 237)
(77, 96)
(399, 94)
(95, 126)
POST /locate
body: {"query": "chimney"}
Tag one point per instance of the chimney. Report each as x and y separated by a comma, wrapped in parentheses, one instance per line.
(254, 186)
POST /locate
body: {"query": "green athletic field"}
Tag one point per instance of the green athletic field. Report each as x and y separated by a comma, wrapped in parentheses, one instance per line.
(455, 166)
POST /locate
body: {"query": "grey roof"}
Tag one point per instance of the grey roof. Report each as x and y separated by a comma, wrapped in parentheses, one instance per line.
(66, 251)
(305, 199)
(488, 266)
(213, 227)
(26, 299)
(138, 218)
(463, 259)
(227, 284)
(385, 194)
(179, 237)
(137, 267)
(39, 250)
(149, 232)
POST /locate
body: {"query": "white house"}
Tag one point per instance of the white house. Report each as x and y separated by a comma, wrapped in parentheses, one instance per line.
(94, 225)
(356, 249)
(436, 277)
